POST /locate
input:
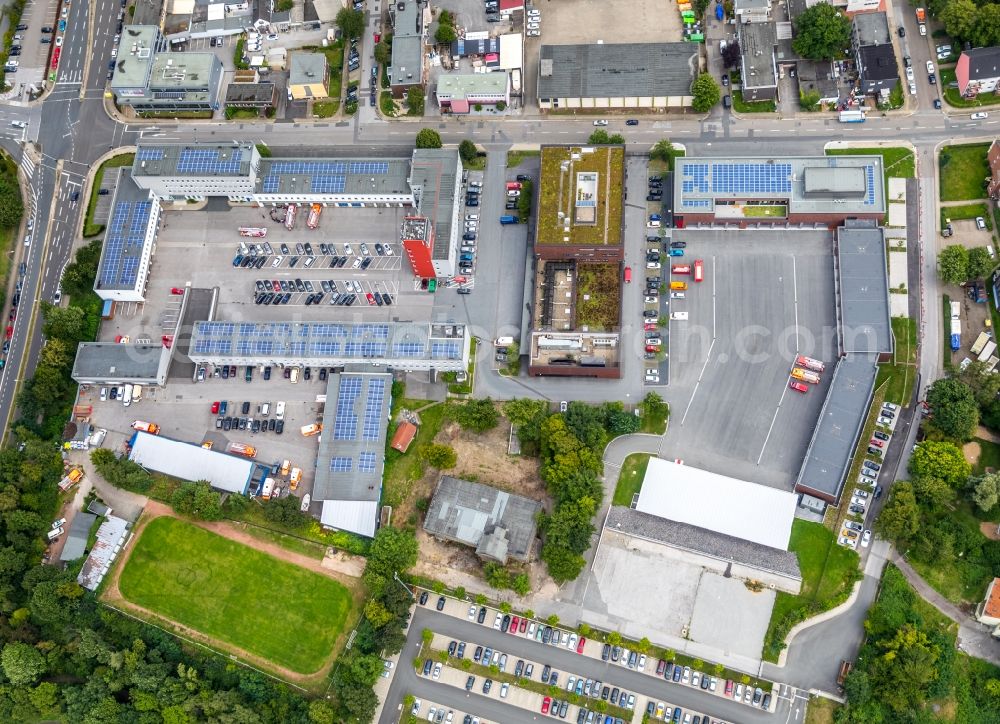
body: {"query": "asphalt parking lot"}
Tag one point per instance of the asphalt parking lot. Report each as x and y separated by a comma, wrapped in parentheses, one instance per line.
(200, 246)
(766, 296)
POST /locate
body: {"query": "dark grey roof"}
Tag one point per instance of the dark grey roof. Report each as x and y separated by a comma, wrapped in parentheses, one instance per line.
(498, 523)
(98, 508)
(864, 288)
(983, 63)
(870, 29)
(352, 448)
(831, 449)
(796, 8)
(250, 92)
(434, 178)
(307, 68)
(614, 70)
(703, 541)
(757, 41)
(110, 362)
(878, 62)
(816, 75)
(407, 62)
(76, 537)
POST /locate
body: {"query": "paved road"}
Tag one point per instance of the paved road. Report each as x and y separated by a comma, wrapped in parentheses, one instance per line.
(561, 659)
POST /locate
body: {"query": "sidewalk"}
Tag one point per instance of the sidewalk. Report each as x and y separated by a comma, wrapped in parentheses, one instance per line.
(973, 637)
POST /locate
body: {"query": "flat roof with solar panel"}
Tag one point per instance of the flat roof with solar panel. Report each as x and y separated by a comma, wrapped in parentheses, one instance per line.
(377, 177)
(206, 160)
(399, 344)
(128, 231)
(847, 185)
(351, 452)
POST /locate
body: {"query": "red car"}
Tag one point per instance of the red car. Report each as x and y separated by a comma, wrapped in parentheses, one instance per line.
(523, 626)
(729, 687)
(650, 327)
(176, 290)
(276, 285)
(513, 625)
(546, 703)
(579, 646)
(798, 386)
(876, 442)
(215, 407)
(370, 298)
(8, 333)
(651, 348)
(680, 269)
(628, 275)
(699, 270)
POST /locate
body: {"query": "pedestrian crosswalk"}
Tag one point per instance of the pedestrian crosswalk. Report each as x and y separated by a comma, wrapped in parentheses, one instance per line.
(69, 77)
(27, 165)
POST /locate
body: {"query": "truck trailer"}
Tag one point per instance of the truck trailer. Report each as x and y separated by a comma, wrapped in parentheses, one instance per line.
(243, 449)
(809, 363)
(805, 375)
(151, 427)
(956, 333)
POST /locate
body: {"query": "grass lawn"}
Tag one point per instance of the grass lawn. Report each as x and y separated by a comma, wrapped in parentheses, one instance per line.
(741, 106)
(989, 456)
(963, 170)
(233, 113)
(630, 478)
(828, 572)
(403, 469)
(897, 162)
(654, 424)
(89, 227)
(901, 374)
(965, 211)
(325, 109)
(233, 593)
(769, 211)
(820, 710)
(953, 98)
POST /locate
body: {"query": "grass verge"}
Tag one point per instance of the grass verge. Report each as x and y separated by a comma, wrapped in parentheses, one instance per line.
(403, 469)
(240, 596)
(963, 172)
(325, 109)
(828, 572)
(89, 227)
(900, 374)
(821, 710)
(896, 161)
(964, 212)
(514, 158)
(630, 479)
(742, 106)
(989, 456)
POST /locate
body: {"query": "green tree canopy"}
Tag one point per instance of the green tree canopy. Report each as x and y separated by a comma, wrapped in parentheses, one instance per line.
(351, 22)
(415, 107)
(980, 264)
(393, 550)
(953, 408)
(984, 383)
(478, 415)
(706, 93)
(900, 518)
(439, 456)
(822, 32)
(953, 264)
(428, 138)
(66, 323)
(941, 460)
(662, 151)
(383, 51)
(959, 18)
(467, 150)
(22, 663)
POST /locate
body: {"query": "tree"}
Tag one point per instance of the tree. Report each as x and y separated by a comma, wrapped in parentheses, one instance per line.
(614, 638)
(197, 500)
(56, 353)
(552, 620)
(66, 323)
(934, 493)
(954, 409)
(663, 150)
(383, 52)
(942, 460)
(392, 551)
(905, 668)
(351, 22)
(477, 415)
(377, 614)
(731, 54)
(953, 264)
(284, 511)
(415, 107)
(521, 585)
(22, 663)
(445, 34)
(570, 525)
(439, 456)
(901, 517)
(980, 264)
(563, 564)
(984, 383)
(822, 32)
(987, 491)
(706, 93)
(428, 138)
(959, 18)
(467, 150)
(986, 31)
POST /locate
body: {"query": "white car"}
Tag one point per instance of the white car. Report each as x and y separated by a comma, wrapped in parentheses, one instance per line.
(59, 42)
(114, 52)
(387, 249)
(980, 116)
(12, 63)
(855, 500)
(861, 494)
(504, 688)
(348, 250)
(866, 538)
(364, 249)
(909, 74)
(923, 29)
(534, 12)
(651, 376)
(913, 88)
(20, 124)
(472, 613)
(652, 265)
(472, 217)
(277, 260)
(279, 410)
(930, 67)
(601, 122)
(534, 26)
(497, 621)
(650, 299)
(357, 262)
(533, 33)
(676, 295)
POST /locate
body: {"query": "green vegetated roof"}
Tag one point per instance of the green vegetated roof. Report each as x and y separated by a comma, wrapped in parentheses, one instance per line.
(558, 189)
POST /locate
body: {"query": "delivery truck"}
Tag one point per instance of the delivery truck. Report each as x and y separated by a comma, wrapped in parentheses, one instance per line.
(314, 211)
(290, 216)
(503, 341)
(809, 363)
(956, 333)
(151, 427)
(852, 117)
(805, 375)
(508, 219)
(313, 429)
(243, 449)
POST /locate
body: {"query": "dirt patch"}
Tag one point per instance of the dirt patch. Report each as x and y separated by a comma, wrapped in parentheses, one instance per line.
(483, 458)
(989, 530)
(971, 451)
(111, 593)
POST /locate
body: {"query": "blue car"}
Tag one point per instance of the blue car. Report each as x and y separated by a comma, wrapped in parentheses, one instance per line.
(677, 673)
(655, 217)
(676, 252)
(62, 25)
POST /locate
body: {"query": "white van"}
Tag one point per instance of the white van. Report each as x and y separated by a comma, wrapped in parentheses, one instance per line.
(295, 375)
(136, 393)
(265, 409)
(680, 316)
(55, 533)
(127, 400)
(279, 410)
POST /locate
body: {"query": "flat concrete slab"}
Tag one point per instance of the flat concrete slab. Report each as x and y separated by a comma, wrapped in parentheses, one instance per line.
(897, 214)
(731, 617)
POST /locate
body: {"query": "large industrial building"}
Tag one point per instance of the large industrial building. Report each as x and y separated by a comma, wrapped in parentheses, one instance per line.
(129, 240)
(351, 455)
(617, 75)
(186, 461)
(147, 77)
(864, 335)
(815, 190)
(725, 525)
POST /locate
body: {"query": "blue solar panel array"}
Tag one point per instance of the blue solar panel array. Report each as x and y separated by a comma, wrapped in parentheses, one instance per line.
(373, 409)
(408, 349)
(869, 185)
(149, 154)
(446, 350)
(366, 462)
(346, 425)
(123, 244)
(752, 178)
(209, 161)
(698, 203)
(325, 177)
(341, 464)
(695, 177)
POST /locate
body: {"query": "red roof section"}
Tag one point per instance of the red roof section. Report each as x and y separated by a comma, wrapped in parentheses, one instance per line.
(992, 607)
(511, 4)
(404, 436)
(962, 73)
(459, 105)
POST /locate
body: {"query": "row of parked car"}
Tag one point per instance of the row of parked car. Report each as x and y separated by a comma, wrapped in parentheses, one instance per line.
(854, 532)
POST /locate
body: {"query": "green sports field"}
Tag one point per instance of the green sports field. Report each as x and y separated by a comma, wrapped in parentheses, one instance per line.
(235, 594)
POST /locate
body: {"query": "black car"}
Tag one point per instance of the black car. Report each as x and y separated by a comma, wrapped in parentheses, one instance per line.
(366, 263)
(452, 648)
(654, 197)
(546, 634)
(519, 667)
(460, 652)
(227, 424)
(428, 665)
(440, 603)
(256, 425)
(469, 683)
(477, 654)
(482, 614)
(705, 681)
(545, 674)
(606, 652)
(272, 424)
(678, 244)
(631, 122)
(563, 708)
(279, 426)
(522, 177)
(505, 624)
(677, 673)
(487, 685)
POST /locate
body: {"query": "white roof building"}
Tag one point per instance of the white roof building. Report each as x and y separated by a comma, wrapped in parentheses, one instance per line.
(736, 508)
(192, 462)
